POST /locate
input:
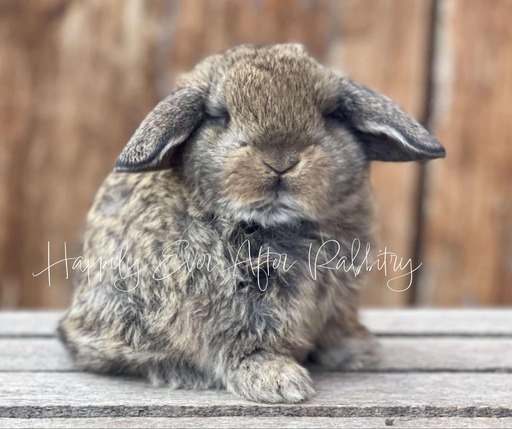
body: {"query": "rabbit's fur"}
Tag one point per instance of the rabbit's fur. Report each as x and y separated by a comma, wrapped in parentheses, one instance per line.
(258, 148)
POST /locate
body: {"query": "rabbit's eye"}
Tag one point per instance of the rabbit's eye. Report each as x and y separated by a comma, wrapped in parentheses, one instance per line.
(218, 117)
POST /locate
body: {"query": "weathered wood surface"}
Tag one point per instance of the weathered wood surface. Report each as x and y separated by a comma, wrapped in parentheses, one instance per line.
(398, 354)
(75, 81)
(421, 322)
(261, 422)
(434, 373)
(403, 322)
(468, 229)
(442, 394)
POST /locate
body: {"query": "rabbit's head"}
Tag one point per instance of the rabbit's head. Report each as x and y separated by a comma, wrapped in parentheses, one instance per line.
(267, 134)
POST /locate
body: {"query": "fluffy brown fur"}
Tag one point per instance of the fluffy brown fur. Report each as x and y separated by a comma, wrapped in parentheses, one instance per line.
(258, 148)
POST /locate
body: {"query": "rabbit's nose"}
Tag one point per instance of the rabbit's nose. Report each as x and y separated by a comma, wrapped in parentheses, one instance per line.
(282, 166)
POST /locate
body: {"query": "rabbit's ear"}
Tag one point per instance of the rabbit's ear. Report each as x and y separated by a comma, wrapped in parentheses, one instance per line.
(386, 132)
(169, 124)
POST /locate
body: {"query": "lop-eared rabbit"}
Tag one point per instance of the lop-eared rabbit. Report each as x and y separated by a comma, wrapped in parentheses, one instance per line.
(220, 232)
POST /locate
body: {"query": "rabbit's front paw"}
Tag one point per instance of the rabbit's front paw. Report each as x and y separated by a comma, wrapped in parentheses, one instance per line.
(264, 377)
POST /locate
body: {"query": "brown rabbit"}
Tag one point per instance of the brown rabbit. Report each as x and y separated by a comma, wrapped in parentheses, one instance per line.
(228, 210)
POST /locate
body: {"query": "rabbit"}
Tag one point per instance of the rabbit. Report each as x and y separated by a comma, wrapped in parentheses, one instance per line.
(259, 152)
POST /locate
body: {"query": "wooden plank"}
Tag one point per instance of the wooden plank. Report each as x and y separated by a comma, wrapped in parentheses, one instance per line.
(424, 322)
(261, 422)
(468, 239)
(33, 355)
(29, 323)
(385, 44)
(91, 68)
(398, 354)
(45, 395)
(467, 322)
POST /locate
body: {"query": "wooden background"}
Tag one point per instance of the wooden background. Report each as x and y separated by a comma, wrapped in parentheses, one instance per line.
(76, 78)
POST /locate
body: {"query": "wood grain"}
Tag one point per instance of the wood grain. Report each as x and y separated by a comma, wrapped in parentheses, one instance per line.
(383, 322)
(468, 230)
(46, 395)
(449, 381)
(76, 79)
(448, 322)
(262, 422)
(397, 354)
